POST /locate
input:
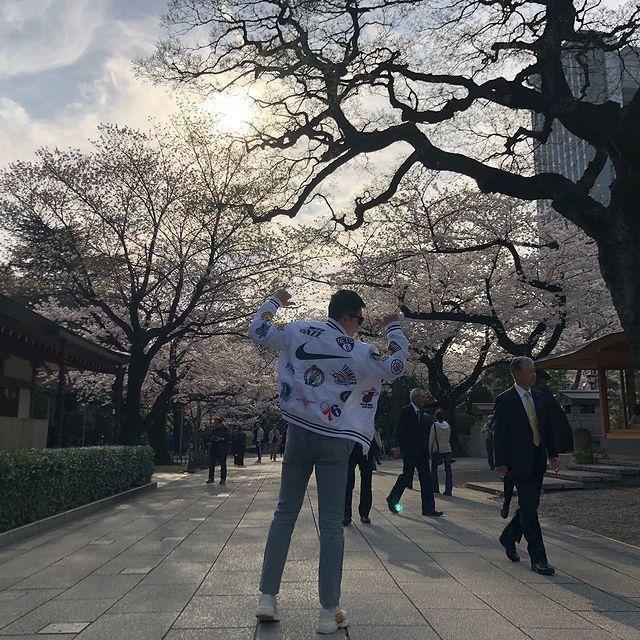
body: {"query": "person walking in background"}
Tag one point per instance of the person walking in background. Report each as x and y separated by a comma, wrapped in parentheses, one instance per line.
(239, 444)
(411, 441)
(487, 432)
(218, 449)
(366, 464)
(258, 438)
(523, 440)
(274, 438)
(330, 383)
(440, 449)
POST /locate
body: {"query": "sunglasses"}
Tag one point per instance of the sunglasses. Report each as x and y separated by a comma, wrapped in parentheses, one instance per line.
(360, 318)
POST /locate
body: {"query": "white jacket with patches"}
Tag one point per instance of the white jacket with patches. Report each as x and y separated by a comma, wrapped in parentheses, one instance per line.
(329, 383)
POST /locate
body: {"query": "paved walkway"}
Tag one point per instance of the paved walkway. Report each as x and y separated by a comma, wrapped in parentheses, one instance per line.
(182, 563)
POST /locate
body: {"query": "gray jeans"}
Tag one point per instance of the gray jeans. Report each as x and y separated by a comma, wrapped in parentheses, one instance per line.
(330, 457)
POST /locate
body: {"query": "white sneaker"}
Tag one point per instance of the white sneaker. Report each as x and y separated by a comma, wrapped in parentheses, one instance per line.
(267, 609)
(330, 621)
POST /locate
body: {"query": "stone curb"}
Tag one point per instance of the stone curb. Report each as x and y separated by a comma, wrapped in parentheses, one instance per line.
(27, 530)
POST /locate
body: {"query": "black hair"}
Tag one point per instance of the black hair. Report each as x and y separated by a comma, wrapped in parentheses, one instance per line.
(439, 415)
(345, 302)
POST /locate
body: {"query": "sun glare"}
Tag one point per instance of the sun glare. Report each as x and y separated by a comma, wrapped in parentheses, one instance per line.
(229, 112)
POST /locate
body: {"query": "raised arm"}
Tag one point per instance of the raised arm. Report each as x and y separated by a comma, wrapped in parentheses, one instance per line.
(391, 363)
(262, 330)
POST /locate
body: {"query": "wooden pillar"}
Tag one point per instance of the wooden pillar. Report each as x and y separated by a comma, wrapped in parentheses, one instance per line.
(604, 402)
(632, 397)
(59, 411)
(623, 401)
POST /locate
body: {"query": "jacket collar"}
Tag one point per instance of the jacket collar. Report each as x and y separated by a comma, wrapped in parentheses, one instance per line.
(335, 325)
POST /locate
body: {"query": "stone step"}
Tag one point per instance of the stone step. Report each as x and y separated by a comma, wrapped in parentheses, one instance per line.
(549, 484)
(621, 462)
(568, 461)
(613, 469)
(584, 476)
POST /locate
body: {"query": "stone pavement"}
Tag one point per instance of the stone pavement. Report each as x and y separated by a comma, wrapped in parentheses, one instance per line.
(182, 563)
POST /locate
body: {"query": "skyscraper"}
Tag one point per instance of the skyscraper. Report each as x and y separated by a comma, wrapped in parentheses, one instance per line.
(598, 77)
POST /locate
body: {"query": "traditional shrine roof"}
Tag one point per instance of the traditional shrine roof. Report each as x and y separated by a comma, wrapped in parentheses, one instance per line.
(29, 335)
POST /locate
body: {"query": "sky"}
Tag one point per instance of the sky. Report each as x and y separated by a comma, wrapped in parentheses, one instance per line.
(65, 66)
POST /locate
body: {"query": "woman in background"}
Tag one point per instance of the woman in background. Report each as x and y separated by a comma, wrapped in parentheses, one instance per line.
(440, 449)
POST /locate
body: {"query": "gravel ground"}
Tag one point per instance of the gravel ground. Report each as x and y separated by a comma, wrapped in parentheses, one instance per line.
(610, 512)
(614, 513)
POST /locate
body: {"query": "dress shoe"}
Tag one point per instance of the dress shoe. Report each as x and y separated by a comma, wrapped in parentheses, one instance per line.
(543, 568)
(504, 512)
(433, 514)
(392, 506)
(346, 522)
(365, 519)
(510, 549)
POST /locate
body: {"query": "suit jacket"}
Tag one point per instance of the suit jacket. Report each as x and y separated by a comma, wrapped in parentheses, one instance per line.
(219, 439)
(412, 434)
(513, 439)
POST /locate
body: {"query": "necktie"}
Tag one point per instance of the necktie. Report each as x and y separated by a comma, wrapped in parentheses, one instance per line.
(533, 419)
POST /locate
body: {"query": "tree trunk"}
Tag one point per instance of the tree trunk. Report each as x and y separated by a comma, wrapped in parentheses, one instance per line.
(619, 258)
(132, 420)
(157, 432)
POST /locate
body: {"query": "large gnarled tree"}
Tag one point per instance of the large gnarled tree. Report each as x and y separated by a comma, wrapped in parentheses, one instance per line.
(449, 84)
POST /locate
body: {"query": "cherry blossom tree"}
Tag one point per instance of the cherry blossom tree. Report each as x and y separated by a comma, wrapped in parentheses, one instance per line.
(150, 236)
(449, 85)
(482, 279)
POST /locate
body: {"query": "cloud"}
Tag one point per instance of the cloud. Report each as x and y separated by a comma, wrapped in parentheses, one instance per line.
(115, 95)
(40, 35)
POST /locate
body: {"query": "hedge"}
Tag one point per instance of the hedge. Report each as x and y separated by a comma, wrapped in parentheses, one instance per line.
(36, 484)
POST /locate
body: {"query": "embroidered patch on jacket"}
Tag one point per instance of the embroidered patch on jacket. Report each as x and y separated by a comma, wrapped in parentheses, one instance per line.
(345, 377)
(345, 343)
(314, 376)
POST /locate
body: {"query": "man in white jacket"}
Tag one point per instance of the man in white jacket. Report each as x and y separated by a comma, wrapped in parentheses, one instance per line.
(330, 383)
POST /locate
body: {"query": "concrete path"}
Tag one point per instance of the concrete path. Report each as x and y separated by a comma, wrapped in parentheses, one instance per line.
(182, 563)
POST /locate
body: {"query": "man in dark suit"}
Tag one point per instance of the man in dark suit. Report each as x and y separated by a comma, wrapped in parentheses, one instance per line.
(366, 465)
(411, 440)
(522, 441)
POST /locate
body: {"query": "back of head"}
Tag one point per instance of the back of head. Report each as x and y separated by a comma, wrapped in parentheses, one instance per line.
(439, 415)
(345, 302)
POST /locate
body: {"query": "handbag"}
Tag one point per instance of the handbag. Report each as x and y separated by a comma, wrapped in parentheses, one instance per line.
(436, 456)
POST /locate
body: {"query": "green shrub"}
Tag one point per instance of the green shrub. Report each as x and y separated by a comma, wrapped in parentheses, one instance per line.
(35, 484)
(583, 456)
(589, 455)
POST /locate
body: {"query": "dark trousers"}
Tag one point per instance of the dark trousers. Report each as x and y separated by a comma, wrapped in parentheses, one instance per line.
(238, 457)
(421, 464)
(366, 496)
(490, 458)
(259, 451)
(448, 476)
(218, 455)
(525, 521)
